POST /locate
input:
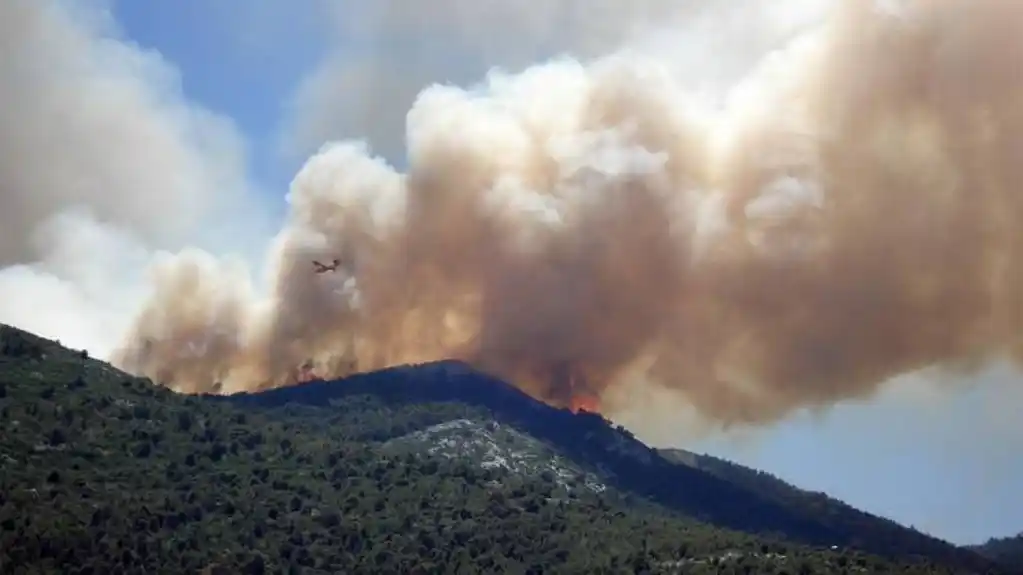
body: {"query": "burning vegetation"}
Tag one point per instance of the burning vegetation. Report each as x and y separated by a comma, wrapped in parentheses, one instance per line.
(587, 403)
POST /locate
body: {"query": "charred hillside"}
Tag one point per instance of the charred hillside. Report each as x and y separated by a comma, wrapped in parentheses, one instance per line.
(699, 491)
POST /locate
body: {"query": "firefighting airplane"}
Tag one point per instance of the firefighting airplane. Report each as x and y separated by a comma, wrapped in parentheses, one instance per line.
(324, 268)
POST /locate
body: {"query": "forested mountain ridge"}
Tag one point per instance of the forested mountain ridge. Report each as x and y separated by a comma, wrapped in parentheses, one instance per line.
(1006, 550)
(104, 472)
(829, 510)
(704, 491)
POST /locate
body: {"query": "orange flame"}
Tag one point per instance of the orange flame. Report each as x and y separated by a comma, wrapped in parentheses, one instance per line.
(581, 399)
(587, 403)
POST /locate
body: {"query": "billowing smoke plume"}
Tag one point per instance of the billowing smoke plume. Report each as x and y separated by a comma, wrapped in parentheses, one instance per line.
(101, 160)
(848, 214)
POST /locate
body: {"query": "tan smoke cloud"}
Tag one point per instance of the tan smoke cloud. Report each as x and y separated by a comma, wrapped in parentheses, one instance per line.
(848, 215)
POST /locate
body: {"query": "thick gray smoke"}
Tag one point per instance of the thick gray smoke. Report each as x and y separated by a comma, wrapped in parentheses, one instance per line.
(847, 214)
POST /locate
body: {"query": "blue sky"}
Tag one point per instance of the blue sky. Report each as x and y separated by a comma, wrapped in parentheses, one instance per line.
(226, 67)
(951, 466)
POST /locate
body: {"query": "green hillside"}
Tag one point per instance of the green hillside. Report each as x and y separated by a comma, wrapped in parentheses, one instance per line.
(1006, 550)
(101, 472)
(829, 511)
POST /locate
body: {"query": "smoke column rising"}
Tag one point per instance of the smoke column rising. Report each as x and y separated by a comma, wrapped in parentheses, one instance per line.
(102, 160)
(845, 216)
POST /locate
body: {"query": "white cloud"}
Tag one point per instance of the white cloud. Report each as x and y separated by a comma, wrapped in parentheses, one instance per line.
(383, 54)
(102, 159)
